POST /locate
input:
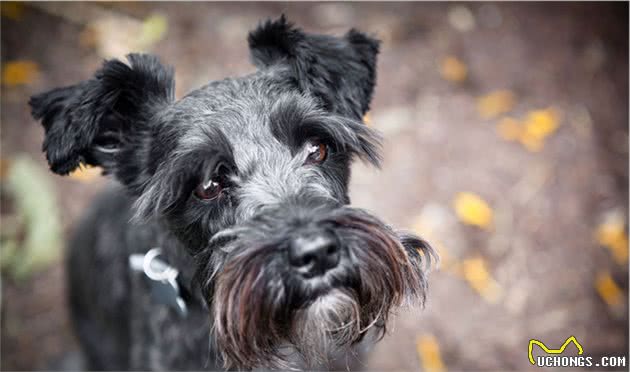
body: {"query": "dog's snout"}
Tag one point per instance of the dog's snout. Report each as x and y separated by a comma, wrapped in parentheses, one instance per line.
(313, 254)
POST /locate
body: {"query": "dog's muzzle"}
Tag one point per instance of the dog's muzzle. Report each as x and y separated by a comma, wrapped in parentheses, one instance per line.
(318, 280)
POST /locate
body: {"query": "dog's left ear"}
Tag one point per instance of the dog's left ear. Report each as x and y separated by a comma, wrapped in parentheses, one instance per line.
(339, 71)
(95, 121)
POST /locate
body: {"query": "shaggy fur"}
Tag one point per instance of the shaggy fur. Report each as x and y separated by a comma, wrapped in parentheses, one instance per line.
(248, 305)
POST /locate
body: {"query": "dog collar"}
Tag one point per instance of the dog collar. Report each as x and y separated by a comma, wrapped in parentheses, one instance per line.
(162, 278)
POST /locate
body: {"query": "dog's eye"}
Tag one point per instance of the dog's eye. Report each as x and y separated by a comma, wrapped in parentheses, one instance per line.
(317, 153)
(210, 189)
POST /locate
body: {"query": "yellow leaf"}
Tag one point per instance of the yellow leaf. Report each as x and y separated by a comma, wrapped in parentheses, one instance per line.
(473, 210)
(154, 28)
(12, 9)
(367, 119)
(429, 352)
(608, 289)
(531, 142)
(532, 131)
(542, 123)
(495, 103)
(19, 73)
(478, 277)
(85, 173)
(509, 129)
(454, 70)
(611, 234)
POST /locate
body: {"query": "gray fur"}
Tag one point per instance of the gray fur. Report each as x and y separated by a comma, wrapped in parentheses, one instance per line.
(251, 302)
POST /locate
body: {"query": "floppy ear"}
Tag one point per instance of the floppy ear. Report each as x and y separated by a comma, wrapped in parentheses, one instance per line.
(94, 121)
(339, 71)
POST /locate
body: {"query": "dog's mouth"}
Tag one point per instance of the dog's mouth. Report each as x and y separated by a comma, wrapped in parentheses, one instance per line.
(260, 304)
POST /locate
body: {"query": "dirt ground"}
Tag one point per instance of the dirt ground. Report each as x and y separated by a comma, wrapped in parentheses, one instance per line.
(534, 272)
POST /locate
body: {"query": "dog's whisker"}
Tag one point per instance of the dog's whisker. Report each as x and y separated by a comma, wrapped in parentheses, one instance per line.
(343, 326)
(376, 319)
(225, 235)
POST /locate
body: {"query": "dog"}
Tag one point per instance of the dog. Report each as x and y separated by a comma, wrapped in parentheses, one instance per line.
(229, 241)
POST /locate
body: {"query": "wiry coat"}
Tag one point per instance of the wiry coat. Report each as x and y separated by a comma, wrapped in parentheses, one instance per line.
(246, 306)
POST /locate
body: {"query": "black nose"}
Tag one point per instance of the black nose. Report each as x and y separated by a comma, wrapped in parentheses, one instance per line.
(313, 254)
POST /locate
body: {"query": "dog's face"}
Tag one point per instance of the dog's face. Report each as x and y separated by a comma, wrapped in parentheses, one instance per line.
(251, 175)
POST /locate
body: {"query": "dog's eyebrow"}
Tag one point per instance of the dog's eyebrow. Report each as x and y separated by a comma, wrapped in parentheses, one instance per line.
(286, 112)
(293, 121)
(197, 153)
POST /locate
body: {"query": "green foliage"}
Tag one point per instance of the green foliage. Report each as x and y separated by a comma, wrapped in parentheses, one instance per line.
(31, 234)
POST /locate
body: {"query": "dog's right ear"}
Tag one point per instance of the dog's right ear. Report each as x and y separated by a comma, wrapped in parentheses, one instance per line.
(339, 71)
(93, 121)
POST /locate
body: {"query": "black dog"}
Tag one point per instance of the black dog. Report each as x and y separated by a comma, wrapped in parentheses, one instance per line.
(242, 185)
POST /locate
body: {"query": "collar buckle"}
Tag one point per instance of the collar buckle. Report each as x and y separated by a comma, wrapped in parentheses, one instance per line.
(162, 278)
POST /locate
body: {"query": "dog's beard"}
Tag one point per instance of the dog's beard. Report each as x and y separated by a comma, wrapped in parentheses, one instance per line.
(259, 306)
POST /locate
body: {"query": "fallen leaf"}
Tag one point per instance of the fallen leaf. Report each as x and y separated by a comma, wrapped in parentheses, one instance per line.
(476, 274)
(532, 131)
(612, 235)
(509, 129)
(154, 28)
(531, 142)
(495, 103)
(453, 70)
(85, 173)
(429, 353)
(608, 290)
(542, 123)
(19, 72)
(12, 10)
(367, 119)
(473, 210)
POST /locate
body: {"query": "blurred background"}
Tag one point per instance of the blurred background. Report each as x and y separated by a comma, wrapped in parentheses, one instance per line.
(506, 128)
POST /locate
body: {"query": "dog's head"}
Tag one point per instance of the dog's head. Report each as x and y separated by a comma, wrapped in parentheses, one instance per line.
(251, 174)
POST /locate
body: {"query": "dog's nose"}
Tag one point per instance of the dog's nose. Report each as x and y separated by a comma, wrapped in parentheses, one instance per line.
(313, 255)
